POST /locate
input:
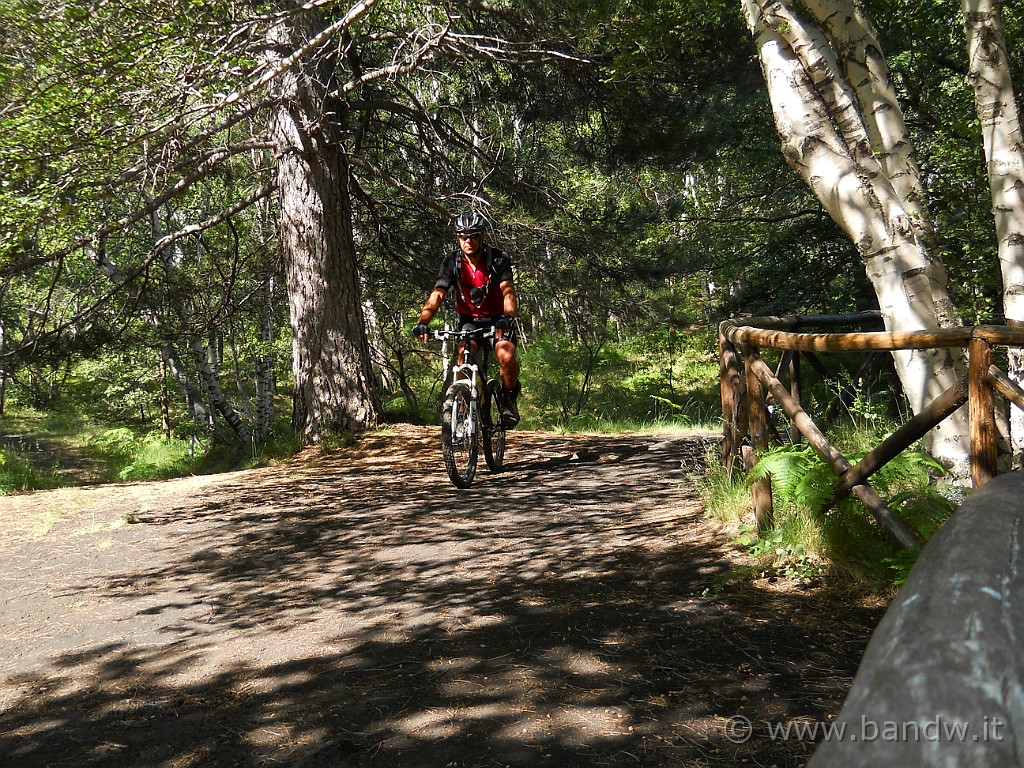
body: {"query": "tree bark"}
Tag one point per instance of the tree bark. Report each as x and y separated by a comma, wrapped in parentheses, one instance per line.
(209, 373)
(208, 365)
(264, 405)
(199, 410)
(334, 386)
(193, 397)
(864, 67)
(820, 118)
(989, 73)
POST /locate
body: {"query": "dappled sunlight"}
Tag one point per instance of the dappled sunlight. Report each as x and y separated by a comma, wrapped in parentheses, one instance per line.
(360, 612)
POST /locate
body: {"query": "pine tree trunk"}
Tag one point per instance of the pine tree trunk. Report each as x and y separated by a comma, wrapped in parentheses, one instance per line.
(819, 116)
(989, 72)
(334, 386)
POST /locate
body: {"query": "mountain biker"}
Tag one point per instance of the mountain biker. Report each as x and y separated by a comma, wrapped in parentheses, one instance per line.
(485, 296)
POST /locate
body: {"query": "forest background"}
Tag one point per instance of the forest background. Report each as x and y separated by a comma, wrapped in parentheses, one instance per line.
(218, 220)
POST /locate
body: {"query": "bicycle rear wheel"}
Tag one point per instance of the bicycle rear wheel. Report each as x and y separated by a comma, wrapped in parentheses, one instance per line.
(494, 433)
(458, 435)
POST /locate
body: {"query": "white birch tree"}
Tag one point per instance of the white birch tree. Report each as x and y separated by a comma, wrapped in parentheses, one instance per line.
(842, 131)
(989, 74)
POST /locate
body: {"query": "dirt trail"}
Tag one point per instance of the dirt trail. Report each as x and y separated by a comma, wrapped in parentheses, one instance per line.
(357, 610)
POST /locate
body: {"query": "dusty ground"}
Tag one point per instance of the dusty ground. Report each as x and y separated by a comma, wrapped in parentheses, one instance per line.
(356, 610)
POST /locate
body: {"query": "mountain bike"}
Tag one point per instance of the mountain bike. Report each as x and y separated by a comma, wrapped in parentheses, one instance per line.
(467, 418)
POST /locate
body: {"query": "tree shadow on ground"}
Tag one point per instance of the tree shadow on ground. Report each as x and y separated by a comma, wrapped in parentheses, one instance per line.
(359, 611)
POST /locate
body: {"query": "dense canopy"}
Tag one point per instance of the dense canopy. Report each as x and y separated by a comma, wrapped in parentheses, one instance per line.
(246, 202)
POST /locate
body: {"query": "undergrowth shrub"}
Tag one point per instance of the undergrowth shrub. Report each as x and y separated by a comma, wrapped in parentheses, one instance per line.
(620, 385)
(810, 532)
(18, 474)
(150, 457)
(811, 535)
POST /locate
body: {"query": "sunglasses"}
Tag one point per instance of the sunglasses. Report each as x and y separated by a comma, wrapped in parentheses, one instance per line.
(469, 237)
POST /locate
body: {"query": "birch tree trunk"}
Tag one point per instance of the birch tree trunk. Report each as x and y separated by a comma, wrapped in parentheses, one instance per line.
(334, 386)
(841, 131)
(989, 73)
(194, 401)
(208, 365)
(209, 374)
(864, 67)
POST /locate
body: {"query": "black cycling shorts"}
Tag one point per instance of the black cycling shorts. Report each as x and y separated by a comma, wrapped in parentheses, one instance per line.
(467, 323)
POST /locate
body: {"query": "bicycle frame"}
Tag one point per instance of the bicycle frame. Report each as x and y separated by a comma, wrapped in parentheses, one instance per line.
(467, 413)
(469, 370)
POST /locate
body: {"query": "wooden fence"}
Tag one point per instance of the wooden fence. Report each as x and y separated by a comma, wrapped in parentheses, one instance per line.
(747, 381)
(947, 650)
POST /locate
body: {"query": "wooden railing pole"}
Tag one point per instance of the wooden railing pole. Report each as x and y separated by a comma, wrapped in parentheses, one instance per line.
(831, 456)
(757, 425)
(732, 389)
(1005, 386)
(795, 385)
(744, 408)
(919, 425)
(981, 412)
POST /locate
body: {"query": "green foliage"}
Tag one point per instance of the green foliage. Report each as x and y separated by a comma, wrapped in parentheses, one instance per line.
(281, 443)
(18, 474)
(798, 476)
(811, 533)
(900, 563)
(331, 442)
(155, 457)
(726, 498)
(793, 546)
(115, 442)
(807, 528)
(575, 384)
(149, 457)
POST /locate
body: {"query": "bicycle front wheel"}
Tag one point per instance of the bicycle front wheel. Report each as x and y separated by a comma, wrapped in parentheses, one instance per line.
(494, 433)
(459, 435)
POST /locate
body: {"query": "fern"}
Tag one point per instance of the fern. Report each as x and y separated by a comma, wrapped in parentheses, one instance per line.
(798, 475)
(803, 486)
(900, 564)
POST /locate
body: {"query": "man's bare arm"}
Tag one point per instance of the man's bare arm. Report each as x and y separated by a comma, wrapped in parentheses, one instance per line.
(430, 307)
(508, 291)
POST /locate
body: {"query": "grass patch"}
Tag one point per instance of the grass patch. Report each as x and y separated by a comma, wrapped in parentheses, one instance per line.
(148, 457)
(811, 536)
(726, 496)
(19, 474)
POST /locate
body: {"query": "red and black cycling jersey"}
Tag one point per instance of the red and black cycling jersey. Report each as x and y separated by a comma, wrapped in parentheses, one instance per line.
(497, 268)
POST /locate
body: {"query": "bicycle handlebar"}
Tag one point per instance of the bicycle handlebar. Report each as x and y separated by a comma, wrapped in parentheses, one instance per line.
(478, 333)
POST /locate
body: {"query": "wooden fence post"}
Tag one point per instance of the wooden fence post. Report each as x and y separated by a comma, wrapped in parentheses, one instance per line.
(820, 444)
(745, 411)
(757, 424)
(795, 383)
(981, 412)
(732, 390)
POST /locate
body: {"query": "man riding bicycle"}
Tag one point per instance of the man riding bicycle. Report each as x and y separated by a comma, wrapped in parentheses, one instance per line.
(485, 296)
